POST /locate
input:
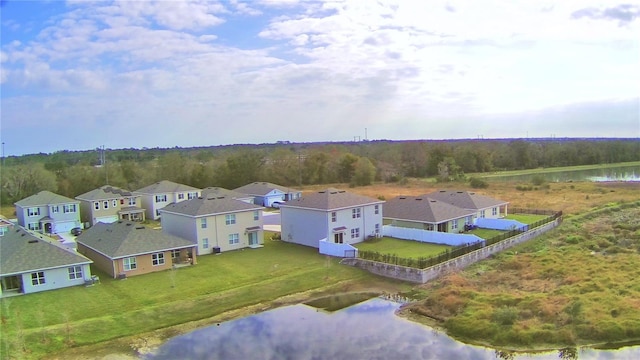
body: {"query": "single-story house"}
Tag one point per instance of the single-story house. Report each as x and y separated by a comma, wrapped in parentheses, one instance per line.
(158, 195)
(49, 213)
(125, 248)
(332, 215)
(109, 204)
(32, 262)
(215, 223)
(231, 194)
(424, 213)
(483, 206)
(266, 194)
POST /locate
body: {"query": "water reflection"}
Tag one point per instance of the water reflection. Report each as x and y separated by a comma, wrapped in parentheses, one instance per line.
(622, 173)
(369, 330)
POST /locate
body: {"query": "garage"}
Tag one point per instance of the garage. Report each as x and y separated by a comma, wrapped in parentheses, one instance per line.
(65, 226)
(107, 219)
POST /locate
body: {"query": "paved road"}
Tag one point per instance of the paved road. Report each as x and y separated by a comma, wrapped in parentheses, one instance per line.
(271, 221)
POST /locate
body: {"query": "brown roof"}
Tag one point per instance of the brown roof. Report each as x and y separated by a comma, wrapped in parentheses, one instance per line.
(422, 209)
(106, 192)
(465, 199)
(261, 188)
(165, 186)
(331, 199)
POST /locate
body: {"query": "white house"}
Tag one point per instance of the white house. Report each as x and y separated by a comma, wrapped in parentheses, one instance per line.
(216, 224)
(266, 194)
(156, 196)
(333, 215)
(47, 212)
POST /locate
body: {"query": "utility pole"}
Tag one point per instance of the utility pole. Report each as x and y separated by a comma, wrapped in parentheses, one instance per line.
(3, 155)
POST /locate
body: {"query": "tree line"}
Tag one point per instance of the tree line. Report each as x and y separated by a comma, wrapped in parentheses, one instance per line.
(71, 173)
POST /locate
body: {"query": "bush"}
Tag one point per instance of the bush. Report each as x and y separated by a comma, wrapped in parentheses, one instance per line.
(478, 183)
(505, 315)
(538, 180)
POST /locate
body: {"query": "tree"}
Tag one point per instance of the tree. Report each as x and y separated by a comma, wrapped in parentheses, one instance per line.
(19, 182)
(240, 169)
(315, 168)
(346, 167)
(364, 172)
(448, 170)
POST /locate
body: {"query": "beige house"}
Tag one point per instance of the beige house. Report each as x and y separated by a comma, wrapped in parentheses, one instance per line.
(123, 248)
(156, 196)
(216, 223)
(109, 204)
(483, 206)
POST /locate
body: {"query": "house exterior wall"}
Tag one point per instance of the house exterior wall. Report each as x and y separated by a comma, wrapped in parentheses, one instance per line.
(22, 214)
(61, 221)
(182, 226)
(144, 265)
(92, 216)
(99, 261)
(217, 231)
(304, 226)
(489, 212)
(55, 279)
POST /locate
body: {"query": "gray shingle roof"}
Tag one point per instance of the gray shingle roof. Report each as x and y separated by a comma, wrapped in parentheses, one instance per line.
(261, 188)
(45, 198)
(218, 192)
(22, 251)
(203, 206)
(465, 199)
(124, 238)
(105, 192)
(422, 209)
(331, 199)
(166, 186)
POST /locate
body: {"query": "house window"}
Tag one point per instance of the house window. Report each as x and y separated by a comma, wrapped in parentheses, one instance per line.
(482, 213)
(256, 215)
(234, 239)
(33, 211)
(75, 272)
(376, 209)
(338, 238)
(454, 224)
(355, 233)
(157, 212)
(157, 259)
(114, 203)
(355, 213)
(161, 198)
(175, 254)
(3, 230)
(181, 196)
(54, 209)
(105, 204)
(334, 216)
(33, 226)
(203, 223)
(37, 278)
(468, 220)
(428, 227)
(377, 229)
(192, 195)
(96, 205)
(130, 263)
(494, 211)
(205, 243)
(230, 219)
(70, 208)
(132, 201)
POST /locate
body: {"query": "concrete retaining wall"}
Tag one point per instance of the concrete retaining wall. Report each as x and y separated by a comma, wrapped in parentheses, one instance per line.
(425, 275)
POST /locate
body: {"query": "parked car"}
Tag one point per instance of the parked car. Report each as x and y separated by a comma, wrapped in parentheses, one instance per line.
(276, 204)
(76, 231)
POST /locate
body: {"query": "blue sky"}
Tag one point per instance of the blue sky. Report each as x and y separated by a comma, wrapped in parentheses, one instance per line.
(81, 74)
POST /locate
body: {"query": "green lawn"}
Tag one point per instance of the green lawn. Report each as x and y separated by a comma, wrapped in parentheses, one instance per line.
(526, 218)
(485, 233)
(402, 248)
(47, 322)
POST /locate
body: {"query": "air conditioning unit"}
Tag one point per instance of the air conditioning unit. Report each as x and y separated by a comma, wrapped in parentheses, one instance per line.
(216, 250)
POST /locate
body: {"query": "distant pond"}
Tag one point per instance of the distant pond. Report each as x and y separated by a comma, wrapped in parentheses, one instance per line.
(367, 330)
(619, 173)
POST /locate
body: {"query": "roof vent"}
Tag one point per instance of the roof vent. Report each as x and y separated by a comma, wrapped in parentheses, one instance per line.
(443, 191)
(321, 192)
(432, 201)
(139, 227)
(418, 198)
(459, 192)
(402, 198)
(129, 224)
(472, 193)
(33, 241)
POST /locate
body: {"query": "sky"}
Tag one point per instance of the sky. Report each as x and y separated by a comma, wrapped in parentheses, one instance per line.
(80, 74)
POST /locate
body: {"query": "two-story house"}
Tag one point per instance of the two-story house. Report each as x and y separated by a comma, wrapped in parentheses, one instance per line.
(108, 204)
(333, 215)
(49, 213)
(156, 196)
(216, 224)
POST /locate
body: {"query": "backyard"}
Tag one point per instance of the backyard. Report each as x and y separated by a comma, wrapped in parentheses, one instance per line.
(402, 248)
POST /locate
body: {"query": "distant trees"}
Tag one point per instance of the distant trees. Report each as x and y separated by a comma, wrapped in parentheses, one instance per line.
(21, 181)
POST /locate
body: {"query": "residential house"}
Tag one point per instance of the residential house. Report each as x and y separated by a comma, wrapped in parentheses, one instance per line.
(333, 215)
(266, 194)
(5, 225)
(483, 206)
(156, 196)
(216, 223)
(31, 262)
(421, 212)
(125, 248)
(109, 204)
(218, 192)
(49, 213)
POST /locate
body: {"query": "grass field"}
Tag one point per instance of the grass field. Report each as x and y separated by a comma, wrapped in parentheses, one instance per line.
(402, 248)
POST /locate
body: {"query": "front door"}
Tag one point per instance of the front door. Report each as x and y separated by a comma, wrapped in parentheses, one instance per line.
(11, 283)
(338, 238)
(253, 238)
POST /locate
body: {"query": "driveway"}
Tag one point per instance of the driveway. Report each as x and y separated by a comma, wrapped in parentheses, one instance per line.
(271, 221)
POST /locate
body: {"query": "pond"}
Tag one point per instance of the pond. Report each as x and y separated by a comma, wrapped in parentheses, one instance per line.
(367, 330)
(618, 173)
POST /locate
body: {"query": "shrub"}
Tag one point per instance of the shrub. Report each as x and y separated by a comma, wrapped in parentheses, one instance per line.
(478, 183)
(538, 180)
(505, 315)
